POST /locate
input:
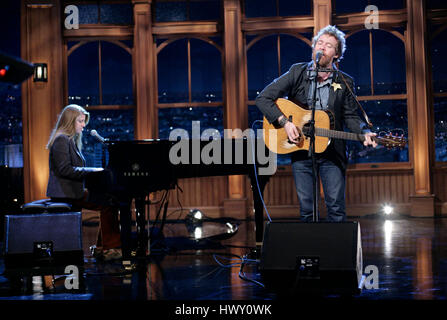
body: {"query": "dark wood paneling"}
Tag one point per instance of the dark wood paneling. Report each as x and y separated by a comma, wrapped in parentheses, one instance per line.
(366, 192)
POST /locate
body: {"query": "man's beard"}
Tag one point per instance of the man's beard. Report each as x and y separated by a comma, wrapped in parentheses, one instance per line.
(324, 62)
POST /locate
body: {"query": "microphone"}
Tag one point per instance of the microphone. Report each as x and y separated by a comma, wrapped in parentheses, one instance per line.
(318, 56)
(95, 134)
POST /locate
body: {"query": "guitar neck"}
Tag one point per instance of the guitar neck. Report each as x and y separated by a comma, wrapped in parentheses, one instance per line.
(339, 134)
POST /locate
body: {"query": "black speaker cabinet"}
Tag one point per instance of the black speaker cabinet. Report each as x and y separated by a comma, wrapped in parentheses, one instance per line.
(41, 240)
(320, 257)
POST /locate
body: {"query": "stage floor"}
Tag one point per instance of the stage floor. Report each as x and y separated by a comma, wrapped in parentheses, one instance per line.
(410, 255)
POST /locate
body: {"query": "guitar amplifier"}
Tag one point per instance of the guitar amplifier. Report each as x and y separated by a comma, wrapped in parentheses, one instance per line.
(40, 240)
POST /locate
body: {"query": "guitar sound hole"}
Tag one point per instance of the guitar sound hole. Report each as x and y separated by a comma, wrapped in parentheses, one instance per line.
(306, 129)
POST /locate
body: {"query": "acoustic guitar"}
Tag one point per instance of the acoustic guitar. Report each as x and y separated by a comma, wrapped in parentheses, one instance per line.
(276, 138)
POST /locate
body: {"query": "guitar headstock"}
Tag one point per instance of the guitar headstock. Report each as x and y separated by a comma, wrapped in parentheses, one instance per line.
(390, 140)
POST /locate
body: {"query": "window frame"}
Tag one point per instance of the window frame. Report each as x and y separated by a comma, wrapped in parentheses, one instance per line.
(442, 27)
(83, 42)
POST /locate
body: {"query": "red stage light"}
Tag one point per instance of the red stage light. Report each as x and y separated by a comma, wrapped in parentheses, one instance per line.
(2, 72)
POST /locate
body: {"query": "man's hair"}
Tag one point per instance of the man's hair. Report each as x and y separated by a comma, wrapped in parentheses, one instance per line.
(337, 34)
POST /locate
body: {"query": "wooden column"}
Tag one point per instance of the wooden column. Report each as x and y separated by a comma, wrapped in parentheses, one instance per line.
(146, 124)
(419, 110)
(235, 107)
(322, 14)
(41, 42)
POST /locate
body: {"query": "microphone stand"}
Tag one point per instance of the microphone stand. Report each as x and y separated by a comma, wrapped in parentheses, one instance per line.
(104, 155)
(315, 176)
(315, 217)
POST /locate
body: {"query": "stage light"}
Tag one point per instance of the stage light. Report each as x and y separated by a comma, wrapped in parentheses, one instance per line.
(198, 233)
(231, 228)
(3, 71)
(40, 72)
(200, 226)
(387, 209)
(198, 215)
(195, 216)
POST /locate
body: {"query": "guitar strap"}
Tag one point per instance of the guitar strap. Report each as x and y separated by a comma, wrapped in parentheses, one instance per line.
(370, 125)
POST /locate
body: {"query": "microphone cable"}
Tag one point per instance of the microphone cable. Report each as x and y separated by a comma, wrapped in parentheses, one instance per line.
(256, 170)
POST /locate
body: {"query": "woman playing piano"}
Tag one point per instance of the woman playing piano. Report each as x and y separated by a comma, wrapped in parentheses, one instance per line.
(66, 182)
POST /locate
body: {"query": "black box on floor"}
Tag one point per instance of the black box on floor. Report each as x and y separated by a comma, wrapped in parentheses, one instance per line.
(320, 257)
(43, 240)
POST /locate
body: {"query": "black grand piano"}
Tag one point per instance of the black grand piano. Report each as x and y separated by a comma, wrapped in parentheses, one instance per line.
(140, 167)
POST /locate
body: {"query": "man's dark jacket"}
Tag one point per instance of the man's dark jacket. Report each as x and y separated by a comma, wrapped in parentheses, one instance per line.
(295, 85)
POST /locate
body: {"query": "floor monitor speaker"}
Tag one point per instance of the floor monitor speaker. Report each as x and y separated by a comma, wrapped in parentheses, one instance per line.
(312, 256)
(38, 240)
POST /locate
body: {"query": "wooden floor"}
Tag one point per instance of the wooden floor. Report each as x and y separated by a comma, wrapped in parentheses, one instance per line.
(409, 255)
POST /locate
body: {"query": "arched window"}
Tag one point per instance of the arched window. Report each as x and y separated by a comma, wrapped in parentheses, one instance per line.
(439, 75)
(100, 73)
(267, 58)
(100, 79)
(380, 83)
(189, 85)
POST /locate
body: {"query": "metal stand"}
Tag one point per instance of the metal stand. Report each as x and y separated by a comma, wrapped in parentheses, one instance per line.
(143, 247)
(104, 147)
(311, 134)
(143, 238)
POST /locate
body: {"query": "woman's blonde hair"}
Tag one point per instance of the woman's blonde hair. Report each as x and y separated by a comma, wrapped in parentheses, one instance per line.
(66, 124)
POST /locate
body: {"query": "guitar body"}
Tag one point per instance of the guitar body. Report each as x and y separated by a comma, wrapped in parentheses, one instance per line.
(276, 139)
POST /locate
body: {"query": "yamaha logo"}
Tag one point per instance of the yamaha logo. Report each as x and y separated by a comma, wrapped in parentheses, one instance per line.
(136, 171)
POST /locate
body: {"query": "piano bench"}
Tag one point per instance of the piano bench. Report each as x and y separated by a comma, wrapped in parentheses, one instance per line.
(45, 206)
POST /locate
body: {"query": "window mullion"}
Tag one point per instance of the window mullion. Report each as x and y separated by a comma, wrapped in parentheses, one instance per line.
(189, 71)
(99, 73)
(371, 66)
(278, 43)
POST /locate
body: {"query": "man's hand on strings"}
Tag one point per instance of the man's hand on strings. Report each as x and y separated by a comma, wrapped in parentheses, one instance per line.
(369, 139)
(292, 132)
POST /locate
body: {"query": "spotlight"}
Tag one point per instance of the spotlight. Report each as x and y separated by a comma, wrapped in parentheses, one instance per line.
(198, 215)
(201, 227)
(387, 209)
(198, 233)
(3, 71)
(195, 216)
